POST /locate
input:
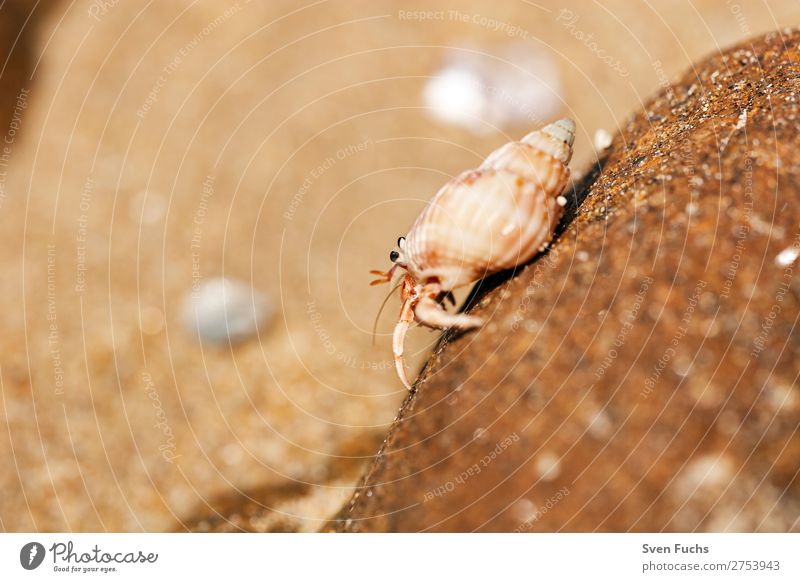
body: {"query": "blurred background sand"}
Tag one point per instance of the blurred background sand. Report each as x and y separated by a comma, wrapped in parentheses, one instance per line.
(154, 145)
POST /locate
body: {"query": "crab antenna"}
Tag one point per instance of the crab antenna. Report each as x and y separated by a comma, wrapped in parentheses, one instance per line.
(377, 317)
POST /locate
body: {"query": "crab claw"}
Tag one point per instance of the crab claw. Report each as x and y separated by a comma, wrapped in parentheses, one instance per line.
(422, 304)
(399, 339)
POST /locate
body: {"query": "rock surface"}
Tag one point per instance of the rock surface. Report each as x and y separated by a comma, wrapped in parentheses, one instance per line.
(642, 375)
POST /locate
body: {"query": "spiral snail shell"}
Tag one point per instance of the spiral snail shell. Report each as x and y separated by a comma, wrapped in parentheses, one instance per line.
(482, 221)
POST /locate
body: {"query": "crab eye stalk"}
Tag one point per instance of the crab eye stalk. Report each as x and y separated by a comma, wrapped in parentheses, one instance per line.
(393, 256)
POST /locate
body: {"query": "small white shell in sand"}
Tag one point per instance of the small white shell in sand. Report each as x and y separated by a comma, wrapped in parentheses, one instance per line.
(454, 95)
(602, 140)
(222, 310)
(478, 91)
(548, 466)
(787, 256)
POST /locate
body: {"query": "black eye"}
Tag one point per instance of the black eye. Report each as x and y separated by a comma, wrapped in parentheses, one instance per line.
(393, 256)
(400, 241)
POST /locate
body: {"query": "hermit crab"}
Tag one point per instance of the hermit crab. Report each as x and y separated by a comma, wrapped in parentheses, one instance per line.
(482, 221)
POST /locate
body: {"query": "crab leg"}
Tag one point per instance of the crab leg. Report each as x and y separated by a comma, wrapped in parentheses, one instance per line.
(383, 277)
(431, 313)
(399, 338)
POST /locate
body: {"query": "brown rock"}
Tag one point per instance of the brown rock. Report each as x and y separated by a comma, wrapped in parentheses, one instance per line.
(19, 26)
(642, 375)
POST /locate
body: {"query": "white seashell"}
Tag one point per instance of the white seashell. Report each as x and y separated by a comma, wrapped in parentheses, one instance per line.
(787, 256)
(222, 310)
(454, 95)
(485, 220)
(495, 217)
(602, 140)
(480, 93)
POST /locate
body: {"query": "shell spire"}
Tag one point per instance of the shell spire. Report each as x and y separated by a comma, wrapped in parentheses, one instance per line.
(556, 139)
(563, 129)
